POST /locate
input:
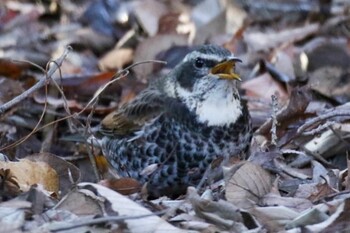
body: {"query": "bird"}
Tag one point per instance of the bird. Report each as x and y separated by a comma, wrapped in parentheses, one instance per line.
(170, 133)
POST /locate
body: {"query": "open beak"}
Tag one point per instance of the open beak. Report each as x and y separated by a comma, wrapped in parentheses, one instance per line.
(226, 69)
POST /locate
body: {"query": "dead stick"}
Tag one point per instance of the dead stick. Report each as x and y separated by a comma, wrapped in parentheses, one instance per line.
(104, 220)
(38, 85)
(325, 116)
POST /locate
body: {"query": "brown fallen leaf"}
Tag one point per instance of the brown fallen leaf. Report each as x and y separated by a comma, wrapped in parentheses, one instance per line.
(293, 112)
(9, 89)
(66, 171)
(11, 69)
(29, 173)
(323, 190)
(125, 186)
(9, 187)
(263, 87)
(246, 184)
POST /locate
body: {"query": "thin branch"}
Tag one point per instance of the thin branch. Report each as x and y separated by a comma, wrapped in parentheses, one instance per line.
(319, 129)
(116, 77)
(23, 139)
(90, 150)
(274, 120)
(325, 116)
(106, 219)
(38, 85)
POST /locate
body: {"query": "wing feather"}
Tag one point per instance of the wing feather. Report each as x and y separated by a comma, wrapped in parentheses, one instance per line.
(133, 115)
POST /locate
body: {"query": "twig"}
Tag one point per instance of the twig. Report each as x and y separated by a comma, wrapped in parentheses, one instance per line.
(106, 219)
(38, 85)
(23, 139)
(325, 116)
(320, 128)
(59, 61)
(90, 150)
(274, 120)
(65, 103)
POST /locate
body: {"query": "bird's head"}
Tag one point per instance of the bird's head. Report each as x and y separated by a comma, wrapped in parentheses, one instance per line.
(205, 81)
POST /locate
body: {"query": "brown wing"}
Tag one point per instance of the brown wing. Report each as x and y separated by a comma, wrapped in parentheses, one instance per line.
(131, 116)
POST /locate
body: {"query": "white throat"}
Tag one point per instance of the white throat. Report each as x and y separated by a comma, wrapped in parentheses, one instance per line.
(216, 109)
(219, 111)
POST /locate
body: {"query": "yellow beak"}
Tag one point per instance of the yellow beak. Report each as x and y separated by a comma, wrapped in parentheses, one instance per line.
(226, 69)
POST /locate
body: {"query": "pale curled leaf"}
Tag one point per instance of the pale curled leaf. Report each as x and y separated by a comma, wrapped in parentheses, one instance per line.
(126, 207)
(337, 222)
(248, 184)
(308, 217)
(276, 216)
(294, 172)
(221, 213)
(298, 204)
(81, 202)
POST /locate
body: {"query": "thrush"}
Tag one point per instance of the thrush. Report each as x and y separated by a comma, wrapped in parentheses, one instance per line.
(170, 132)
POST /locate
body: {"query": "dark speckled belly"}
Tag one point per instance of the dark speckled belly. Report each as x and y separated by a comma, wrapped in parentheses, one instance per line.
(182, 151)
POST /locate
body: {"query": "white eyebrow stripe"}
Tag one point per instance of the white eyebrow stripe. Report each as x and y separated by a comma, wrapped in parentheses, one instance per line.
(204, 56)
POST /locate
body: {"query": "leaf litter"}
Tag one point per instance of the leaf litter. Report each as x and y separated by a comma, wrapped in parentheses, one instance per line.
(52, 180)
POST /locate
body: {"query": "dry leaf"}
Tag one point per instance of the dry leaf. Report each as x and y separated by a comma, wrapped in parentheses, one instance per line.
(262, 41)
(12, 215)
(81, 202)
(9, 187)
(248, 184)
(125, 186)
(148, 13)
(293, 112)
(329, 142)
(263, 87)
(66, 171)
(297, 204)
(9, 89)
(126, 207)
(323, 190)
(150, 47)
(116, 59)
(337, 222)
(309, 217)
(294, 172)
(284, 64)
(208, 23)
(275, 217)
(221, 213)
(29, 173)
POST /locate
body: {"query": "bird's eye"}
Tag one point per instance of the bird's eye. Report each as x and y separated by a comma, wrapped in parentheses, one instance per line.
(199, 63)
